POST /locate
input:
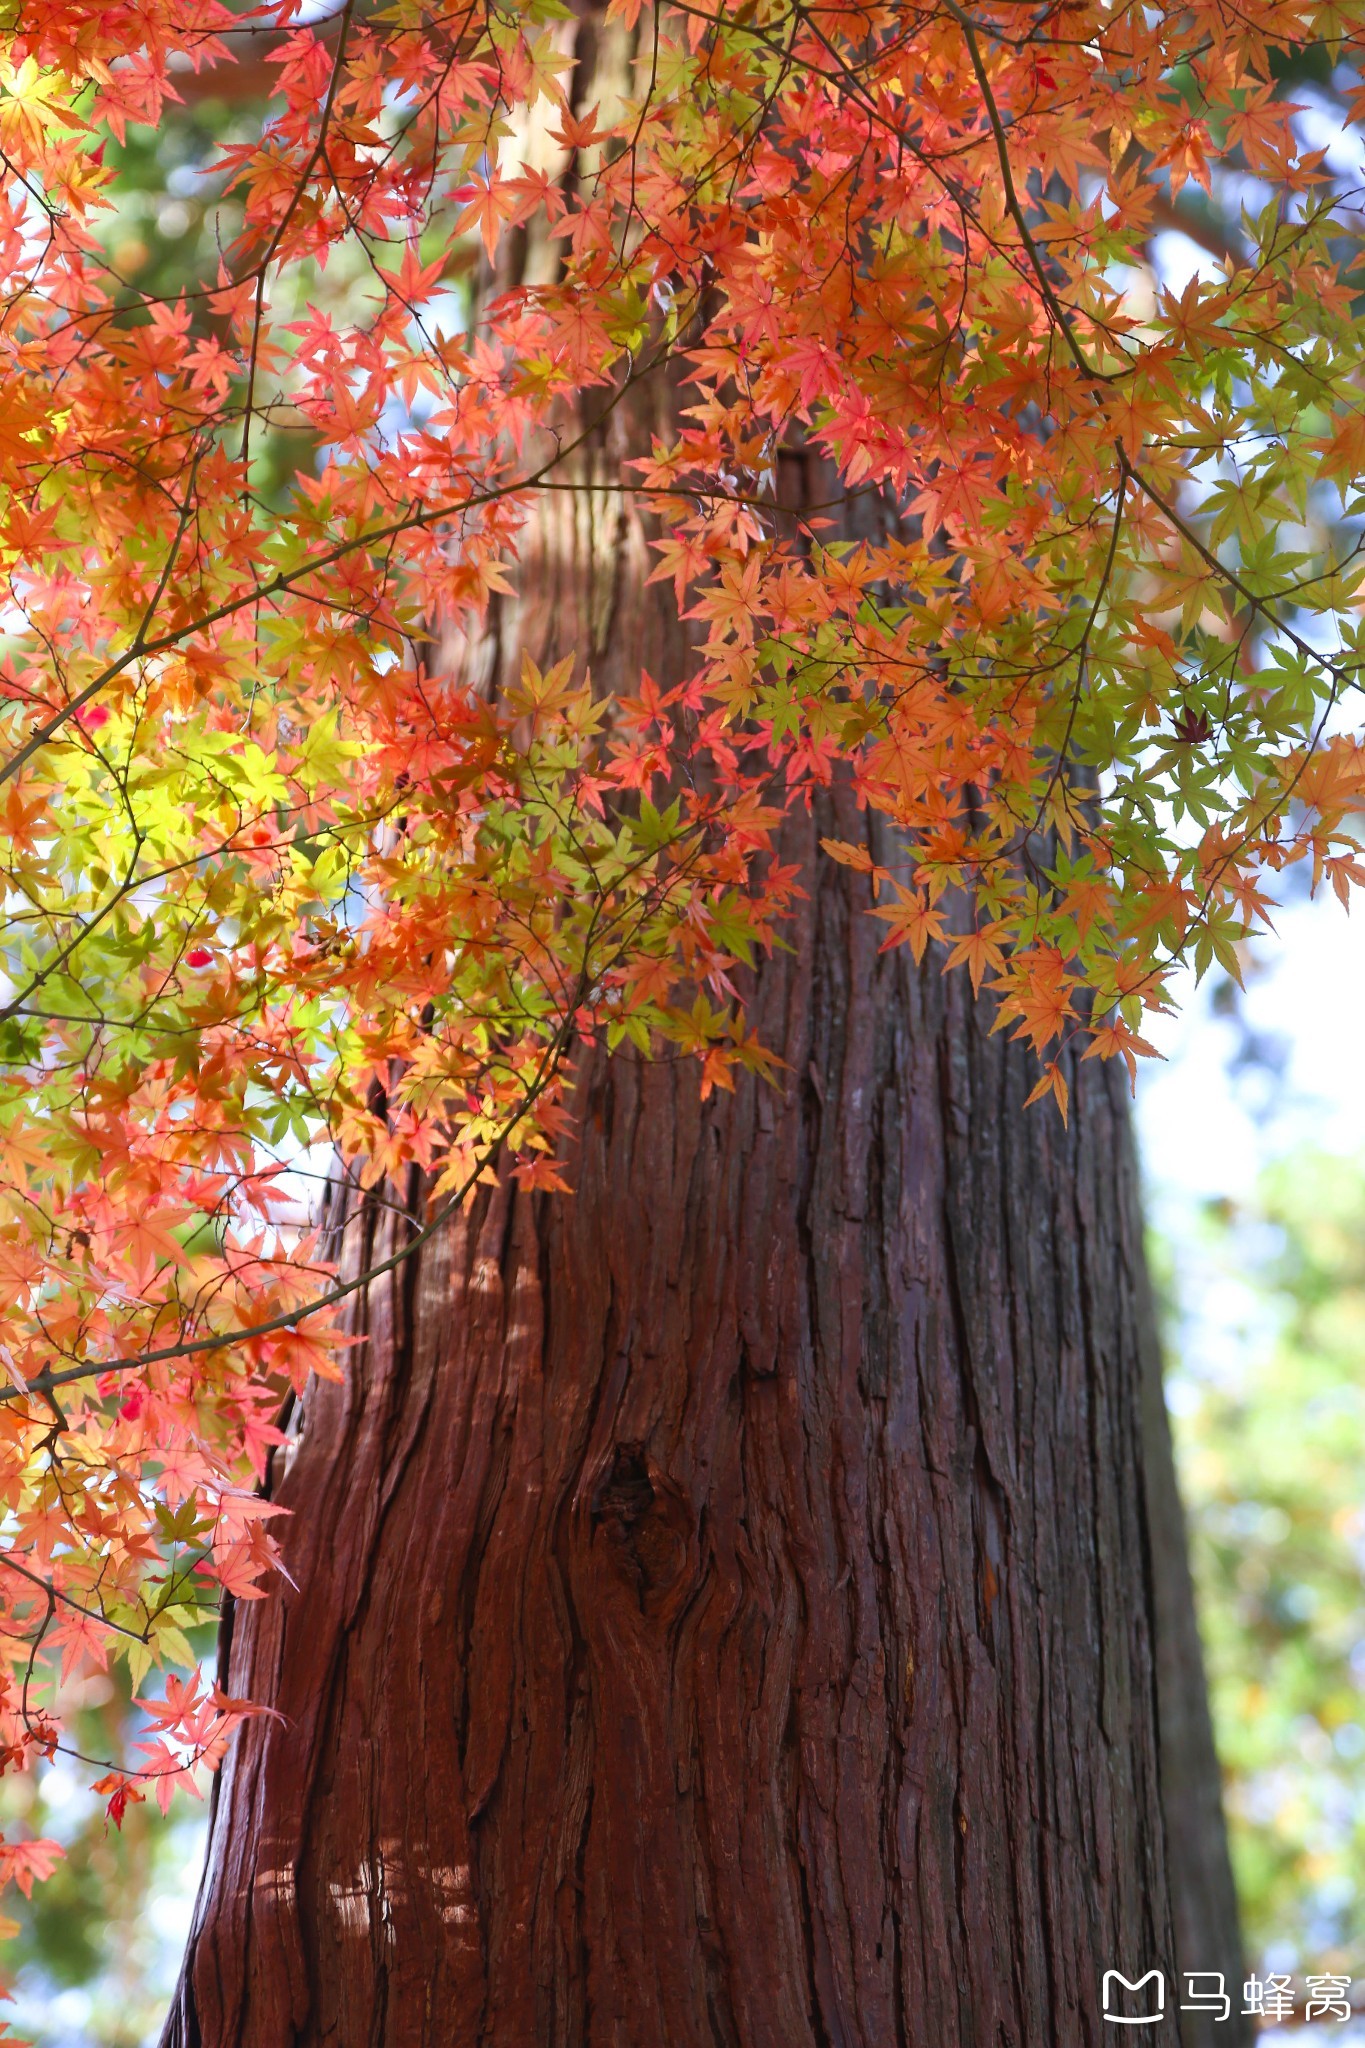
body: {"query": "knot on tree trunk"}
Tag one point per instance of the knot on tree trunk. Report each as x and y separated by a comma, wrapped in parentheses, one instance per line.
(646, 1524)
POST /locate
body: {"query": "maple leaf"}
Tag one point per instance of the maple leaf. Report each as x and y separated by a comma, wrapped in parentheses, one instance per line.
(1186, 156)
(534, 1174)
(146, 1239)
(912, 921)
(577, 131)
(1107, 1040)
(1053, 1083)
(854, 856)
(25, 1863)
(490, 205)
(980, 949)
(83, 1639)
(120, 1792)
(1040, 997)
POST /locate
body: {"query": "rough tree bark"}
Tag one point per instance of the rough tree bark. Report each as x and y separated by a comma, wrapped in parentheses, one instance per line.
(1203, 1899)
(720, 1608)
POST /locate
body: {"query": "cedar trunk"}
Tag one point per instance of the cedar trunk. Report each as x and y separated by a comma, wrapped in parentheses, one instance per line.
(721, 1607)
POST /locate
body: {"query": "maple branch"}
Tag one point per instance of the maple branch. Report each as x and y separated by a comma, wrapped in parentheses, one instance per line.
(1016, 212)
(47, 1382)
(1082, 652)
(295, 201)
(415, 521)
(1342, 678)
(289, 1319)
(843, 76)
(65, 953)
(139, 647)
(9, 1563)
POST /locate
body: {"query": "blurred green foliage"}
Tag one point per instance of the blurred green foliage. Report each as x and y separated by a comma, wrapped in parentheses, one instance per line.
(94, 1963)
(1267, 1384)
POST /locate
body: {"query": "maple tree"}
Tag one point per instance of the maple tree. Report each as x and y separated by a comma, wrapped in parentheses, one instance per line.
(282, 874)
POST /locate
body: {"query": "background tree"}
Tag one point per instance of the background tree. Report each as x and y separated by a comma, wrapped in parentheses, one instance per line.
(397, 804)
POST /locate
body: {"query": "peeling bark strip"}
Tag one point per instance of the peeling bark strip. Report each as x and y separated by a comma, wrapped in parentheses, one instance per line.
(721, 1614)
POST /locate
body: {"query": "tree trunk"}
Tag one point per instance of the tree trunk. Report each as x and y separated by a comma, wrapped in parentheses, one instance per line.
(1203, 1899)
(720, 1606)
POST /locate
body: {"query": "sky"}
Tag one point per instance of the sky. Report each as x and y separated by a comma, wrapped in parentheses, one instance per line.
(1210, 1121)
